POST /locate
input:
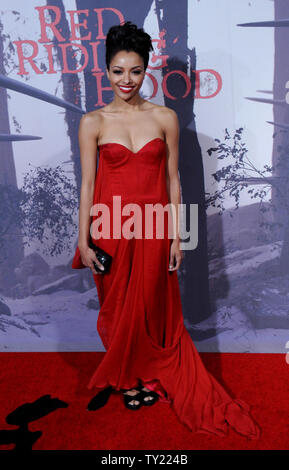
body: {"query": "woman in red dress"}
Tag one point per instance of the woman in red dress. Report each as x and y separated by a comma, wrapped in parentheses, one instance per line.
(150, 355)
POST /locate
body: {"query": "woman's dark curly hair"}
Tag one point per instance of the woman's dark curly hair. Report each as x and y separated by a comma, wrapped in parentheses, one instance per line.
(127, 36)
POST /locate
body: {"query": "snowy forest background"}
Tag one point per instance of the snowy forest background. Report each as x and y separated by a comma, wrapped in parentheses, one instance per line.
(233, 164)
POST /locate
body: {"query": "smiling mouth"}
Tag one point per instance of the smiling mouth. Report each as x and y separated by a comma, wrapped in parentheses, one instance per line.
(126, 89)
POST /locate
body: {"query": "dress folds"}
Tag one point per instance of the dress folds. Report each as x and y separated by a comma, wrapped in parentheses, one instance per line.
(140, 320)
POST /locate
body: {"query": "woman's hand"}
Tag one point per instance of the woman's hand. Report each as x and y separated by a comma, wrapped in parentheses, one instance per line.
(87, 257)
(175, 255)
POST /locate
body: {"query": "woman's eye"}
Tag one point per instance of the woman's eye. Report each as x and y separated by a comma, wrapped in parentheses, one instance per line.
(136, 72)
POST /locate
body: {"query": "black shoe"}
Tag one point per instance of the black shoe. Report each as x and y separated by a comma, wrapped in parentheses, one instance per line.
(147, 398)
(132, 401)
(100, 399)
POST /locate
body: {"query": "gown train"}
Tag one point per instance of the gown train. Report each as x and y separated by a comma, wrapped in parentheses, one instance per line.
(140, 320)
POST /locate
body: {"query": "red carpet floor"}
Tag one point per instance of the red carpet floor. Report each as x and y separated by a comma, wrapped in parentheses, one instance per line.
(262, 380)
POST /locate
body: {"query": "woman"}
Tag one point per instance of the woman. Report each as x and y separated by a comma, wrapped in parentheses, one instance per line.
(149, 353)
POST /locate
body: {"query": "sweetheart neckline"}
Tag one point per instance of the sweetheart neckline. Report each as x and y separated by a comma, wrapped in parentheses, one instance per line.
(135, 153)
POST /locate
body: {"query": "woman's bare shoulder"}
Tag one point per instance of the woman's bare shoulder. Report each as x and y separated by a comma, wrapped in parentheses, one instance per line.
(93, 116)
(163, 112)
(166, 117)
(92, 121)
(166, 111)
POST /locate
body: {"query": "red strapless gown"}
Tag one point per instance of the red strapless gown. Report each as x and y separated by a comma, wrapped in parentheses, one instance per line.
(140, 320)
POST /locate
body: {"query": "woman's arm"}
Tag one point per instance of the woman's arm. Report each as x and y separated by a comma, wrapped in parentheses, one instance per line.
(87, 137)
(171, 127)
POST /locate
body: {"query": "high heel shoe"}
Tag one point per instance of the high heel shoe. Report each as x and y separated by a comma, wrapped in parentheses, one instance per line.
(99, 400)
(132, 401)
(147, 398)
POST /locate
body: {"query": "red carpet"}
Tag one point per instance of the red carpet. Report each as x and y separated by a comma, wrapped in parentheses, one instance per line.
(259, 379)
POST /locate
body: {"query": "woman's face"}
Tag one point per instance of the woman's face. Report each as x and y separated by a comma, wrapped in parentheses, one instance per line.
(126, 73)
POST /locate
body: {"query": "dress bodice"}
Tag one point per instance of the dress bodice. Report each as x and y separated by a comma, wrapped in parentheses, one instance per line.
(137, 177)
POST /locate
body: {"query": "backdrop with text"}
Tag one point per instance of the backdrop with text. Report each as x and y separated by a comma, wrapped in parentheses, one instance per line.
(221, 65)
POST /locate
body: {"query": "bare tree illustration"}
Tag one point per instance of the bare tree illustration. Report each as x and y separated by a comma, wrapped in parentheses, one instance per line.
(242, 174)
(279, 168)
(48, 205)
(10, 235)
(71, 87)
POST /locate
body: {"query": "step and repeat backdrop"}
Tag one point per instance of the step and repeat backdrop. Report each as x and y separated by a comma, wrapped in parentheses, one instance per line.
(222, 66)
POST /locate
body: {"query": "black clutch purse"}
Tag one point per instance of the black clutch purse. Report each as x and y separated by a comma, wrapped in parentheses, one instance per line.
(104, 258)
